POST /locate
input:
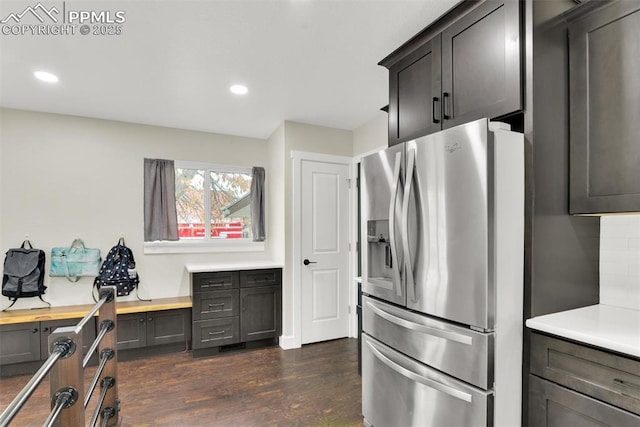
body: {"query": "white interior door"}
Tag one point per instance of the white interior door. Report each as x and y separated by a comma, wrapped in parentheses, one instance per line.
(325, 244)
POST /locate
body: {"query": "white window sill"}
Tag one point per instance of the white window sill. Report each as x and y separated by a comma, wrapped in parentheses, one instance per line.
(195, 246)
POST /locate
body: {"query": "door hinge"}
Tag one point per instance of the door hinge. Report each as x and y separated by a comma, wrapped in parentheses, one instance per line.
(349, 309)
(348, 183)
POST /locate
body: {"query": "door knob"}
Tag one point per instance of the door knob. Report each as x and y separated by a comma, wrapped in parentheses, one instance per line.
(307, 262)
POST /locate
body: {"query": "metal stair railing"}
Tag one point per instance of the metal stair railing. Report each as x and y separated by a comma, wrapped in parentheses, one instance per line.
(65, 367)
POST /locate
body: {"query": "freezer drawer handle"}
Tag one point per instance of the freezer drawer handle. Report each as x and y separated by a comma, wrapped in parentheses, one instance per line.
(453, 392)
(407, 324)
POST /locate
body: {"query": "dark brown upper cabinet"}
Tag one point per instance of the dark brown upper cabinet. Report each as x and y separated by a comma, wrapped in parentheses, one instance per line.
(604, 65)
(464, 67)
(414, 103)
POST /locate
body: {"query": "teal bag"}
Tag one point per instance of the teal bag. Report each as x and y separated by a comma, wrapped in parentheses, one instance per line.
(74, 261)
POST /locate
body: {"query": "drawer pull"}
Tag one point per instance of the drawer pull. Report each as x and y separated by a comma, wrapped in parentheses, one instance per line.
(213, 285)
(216, 305)
(626, 384)
(216, 333)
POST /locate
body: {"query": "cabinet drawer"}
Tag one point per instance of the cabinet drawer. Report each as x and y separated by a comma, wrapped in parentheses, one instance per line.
(214, 281)
(551, 405)
(214, 305)
(272, 276)
(605, 376)
(212, 333)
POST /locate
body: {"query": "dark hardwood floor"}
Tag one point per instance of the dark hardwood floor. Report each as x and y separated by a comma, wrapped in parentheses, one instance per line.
(317, 385)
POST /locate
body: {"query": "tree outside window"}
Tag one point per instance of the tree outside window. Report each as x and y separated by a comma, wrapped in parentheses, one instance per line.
(222, 212)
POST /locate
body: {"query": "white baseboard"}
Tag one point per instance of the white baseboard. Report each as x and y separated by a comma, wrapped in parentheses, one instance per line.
(288, 342)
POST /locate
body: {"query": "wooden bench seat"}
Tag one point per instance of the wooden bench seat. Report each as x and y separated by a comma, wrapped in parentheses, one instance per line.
(79, 311)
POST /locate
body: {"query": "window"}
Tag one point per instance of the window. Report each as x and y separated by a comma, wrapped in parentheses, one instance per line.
(223, 211)
(213, 208)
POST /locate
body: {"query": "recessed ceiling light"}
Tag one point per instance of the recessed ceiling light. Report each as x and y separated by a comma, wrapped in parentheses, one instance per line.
(46, 76)
(239, 89)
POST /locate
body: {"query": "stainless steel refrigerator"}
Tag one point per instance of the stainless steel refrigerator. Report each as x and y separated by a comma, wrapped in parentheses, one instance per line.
(442, 274)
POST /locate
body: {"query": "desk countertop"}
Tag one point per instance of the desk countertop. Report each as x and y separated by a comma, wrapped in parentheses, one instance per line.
(202, 268)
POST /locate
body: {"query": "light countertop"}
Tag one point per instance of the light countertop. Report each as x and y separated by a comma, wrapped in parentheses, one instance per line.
(246, 265)
(605, 326)
(79, 311)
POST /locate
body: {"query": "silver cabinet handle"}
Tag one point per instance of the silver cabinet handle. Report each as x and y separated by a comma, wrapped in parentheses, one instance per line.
(453, 392)
(407, 324)
(409, 279)
(392, 223)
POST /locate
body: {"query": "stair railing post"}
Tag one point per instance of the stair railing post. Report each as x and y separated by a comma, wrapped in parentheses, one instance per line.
(110, 343)
(68, 375)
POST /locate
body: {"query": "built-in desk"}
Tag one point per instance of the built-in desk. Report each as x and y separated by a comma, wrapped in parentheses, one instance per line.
(235, 306)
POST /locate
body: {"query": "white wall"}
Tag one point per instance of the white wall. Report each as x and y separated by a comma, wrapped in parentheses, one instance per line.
(309, 138)
(275, 202)
(620, 261)
(371, 136)
(64, 176)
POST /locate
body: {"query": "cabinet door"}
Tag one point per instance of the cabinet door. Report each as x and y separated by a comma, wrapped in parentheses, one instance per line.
(169, 326)
(19, 343)
(551, 405)
(604, 59)
(88, 334)
(132, 330)
(414, 94)
(481, 64)
(261, 313)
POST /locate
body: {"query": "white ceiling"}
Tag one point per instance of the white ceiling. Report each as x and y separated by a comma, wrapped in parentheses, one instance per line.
(311, 61)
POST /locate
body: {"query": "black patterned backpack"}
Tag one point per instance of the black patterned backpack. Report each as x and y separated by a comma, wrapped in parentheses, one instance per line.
(119, 270)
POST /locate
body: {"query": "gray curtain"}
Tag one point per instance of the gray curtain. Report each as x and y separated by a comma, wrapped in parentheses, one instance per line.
(160, 218)
(257, 204)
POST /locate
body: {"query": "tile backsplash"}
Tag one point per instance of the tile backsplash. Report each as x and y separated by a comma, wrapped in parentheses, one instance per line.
(620, 261)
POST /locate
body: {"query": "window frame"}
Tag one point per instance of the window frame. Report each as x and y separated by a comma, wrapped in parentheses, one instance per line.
(207, 244)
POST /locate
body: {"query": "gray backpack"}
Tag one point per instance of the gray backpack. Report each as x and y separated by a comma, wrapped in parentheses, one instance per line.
(23, 274)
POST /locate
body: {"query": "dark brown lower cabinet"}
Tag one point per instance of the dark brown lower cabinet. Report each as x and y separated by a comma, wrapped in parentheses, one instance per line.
(247, 313)
(260, 309)
(552, 405)
(576, 385)
(139, 330)
(25, 346)
(20, 343)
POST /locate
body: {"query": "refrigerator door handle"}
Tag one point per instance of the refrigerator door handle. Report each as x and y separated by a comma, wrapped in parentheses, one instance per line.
(411, 285)
(407, 324)
(392, 224)
(451, 391)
